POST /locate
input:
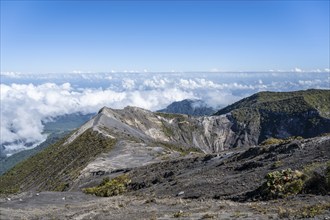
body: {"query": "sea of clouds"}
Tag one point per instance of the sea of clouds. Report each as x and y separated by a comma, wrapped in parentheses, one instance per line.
(27, 100)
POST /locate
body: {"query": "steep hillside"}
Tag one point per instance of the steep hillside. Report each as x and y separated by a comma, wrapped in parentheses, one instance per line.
(57, 166)
(7, 163)
(56, 128)
(297, 101)
(189, 107)
(282, 114)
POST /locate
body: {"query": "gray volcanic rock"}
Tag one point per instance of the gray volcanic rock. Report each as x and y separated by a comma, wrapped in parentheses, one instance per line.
(209, 134)
(233, 174)
(144, 137)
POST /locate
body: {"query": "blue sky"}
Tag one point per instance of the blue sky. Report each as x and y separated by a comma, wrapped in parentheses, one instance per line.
(100, 36)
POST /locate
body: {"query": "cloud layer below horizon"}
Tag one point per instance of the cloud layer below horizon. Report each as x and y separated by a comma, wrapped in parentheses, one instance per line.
(28, 100)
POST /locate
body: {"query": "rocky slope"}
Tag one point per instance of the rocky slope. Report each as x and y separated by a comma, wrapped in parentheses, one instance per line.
(113, 139)
(215, 186)
(189, 107)
(235, 174)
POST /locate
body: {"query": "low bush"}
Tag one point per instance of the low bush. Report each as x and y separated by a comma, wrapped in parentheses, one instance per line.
(109, 187)
(283, 183)
(271, 141)
(314, 178)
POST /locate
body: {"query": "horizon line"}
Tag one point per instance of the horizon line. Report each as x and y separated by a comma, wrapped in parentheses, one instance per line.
(326, 70)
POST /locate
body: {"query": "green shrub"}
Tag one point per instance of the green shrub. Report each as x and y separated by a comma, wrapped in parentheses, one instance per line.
(109, 187)
(283, 183)
(180, 214)
(272, 140)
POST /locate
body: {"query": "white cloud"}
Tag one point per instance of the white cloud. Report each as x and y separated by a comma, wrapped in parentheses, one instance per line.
(310, 83)
(155, 83)
(316, 71)
(108, 78)
(214, 70)
(11, 74)
(25, 106)
(77, 71)
(128, 84)
(297, 70)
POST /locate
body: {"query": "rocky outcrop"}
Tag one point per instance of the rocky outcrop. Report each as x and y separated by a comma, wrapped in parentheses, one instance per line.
(209, 134)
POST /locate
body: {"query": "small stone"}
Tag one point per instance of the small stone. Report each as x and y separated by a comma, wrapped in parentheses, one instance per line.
(180, 193)
(63, 198)
(20, 200)
(37, 194)
(9, 199)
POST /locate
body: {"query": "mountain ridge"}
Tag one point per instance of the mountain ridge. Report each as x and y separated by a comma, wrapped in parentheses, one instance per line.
(302, 113)
(143, 137)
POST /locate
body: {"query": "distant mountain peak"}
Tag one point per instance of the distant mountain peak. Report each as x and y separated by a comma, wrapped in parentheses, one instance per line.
(195, 107)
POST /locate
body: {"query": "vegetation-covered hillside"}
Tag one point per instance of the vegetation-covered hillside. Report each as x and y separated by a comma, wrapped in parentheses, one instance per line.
(285, 102)
(56, 128)
(283, 114)
(57, 166)
(9, 162)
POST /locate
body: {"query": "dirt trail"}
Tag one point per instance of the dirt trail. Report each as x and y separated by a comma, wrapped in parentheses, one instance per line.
(76, 205)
